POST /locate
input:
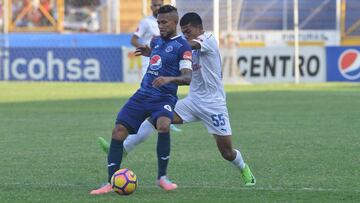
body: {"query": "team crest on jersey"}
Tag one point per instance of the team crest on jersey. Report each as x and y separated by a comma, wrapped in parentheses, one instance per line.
(187, 55)
(169, 49)
(155, 62)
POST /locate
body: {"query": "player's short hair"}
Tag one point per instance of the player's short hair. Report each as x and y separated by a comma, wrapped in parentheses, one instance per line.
(192, 18)
(167, 9)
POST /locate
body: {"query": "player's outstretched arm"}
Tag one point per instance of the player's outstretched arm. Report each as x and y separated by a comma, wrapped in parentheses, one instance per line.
(183, 79)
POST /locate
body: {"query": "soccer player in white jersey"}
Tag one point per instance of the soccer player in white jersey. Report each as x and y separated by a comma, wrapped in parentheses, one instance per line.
(146, 30)
(206, 101)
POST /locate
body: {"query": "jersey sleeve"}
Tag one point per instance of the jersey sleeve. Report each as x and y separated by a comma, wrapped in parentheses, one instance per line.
(185, 55)
(141, 29)
(204, 43)
(185, 52)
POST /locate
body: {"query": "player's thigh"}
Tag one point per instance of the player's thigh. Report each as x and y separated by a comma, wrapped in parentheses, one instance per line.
(162, 108)
(132, 114)
(177, 119)
(184, 111)
(215, 118)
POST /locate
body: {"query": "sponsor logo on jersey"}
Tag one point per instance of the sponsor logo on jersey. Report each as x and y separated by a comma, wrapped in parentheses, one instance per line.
(187, 55)
(349, 64)
(196, 67)
(155, 62)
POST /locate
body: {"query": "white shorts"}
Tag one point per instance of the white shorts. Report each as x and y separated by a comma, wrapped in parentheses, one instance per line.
(214, 117)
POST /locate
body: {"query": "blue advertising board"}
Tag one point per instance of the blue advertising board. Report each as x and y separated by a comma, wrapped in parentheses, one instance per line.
(61, 64)
(343, 64)
(64, 40)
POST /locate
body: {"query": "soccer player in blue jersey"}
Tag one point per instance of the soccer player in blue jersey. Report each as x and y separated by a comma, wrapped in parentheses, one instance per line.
(206, 101)
(147, 29)
(170, 65)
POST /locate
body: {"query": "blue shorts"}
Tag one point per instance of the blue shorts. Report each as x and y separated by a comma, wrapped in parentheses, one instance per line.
(141, 106)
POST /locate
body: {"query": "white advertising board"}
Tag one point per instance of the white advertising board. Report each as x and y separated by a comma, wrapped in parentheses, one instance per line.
(272, 65)
(131, 66)
(286, 37)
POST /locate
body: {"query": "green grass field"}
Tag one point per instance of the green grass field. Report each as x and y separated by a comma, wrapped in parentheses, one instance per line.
(302, 143)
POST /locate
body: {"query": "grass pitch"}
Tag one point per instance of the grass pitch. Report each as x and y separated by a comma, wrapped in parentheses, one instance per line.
(301, 141)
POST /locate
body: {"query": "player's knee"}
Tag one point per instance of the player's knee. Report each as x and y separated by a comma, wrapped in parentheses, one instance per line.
(119, 132)
(163, 127)
(228, 154)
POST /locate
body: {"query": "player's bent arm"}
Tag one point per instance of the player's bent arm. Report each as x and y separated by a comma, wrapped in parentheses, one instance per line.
(135, 41)
(143, 50)
(186, 73)
(194, 44)
(183, 79)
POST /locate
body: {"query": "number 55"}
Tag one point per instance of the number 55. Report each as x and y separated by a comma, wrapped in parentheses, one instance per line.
(218, 120)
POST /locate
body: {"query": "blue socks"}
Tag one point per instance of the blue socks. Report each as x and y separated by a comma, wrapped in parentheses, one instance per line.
(162, 148)
(163, 153)
(114, 157)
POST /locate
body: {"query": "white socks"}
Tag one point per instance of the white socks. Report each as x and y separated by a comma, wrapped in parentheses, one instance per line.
(145, 130)
(238, 161)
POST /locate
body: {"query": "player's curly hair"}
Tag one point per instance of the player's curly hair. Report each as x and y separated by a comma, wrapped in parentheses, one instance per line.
(167, 9)
(192, 18)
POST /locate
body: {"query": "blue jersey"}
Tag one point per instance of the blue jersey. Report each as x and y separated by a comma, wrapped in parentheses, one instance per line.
(164, 61)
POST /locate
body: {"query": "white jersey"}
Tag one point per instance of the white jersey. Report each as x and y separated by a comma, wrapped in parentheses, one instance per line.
(206, 85)
(147, 29)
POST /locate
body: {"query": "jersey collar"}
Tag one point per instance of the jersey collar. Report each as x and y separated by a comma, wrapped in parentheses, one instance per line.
(175, 37)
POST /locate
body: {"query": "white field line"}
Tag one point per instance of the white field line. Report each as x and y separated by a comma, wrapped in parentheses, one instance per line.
(259, 188)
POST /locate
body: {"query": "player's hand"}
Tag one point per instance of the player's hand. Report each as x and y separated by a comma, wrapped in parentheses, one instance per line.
(159, 81)
(143, 50)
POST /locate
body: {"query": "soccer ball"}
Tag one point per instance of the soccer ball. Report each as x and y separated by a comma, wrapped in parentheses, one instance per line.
(124, 181)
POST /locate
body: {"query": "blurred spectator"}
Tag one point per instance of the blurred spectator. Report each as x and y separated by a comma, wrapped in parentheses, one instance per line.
(82, 16)
(33, 16)
(1, 15)
(48, 7)
(83, 3)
